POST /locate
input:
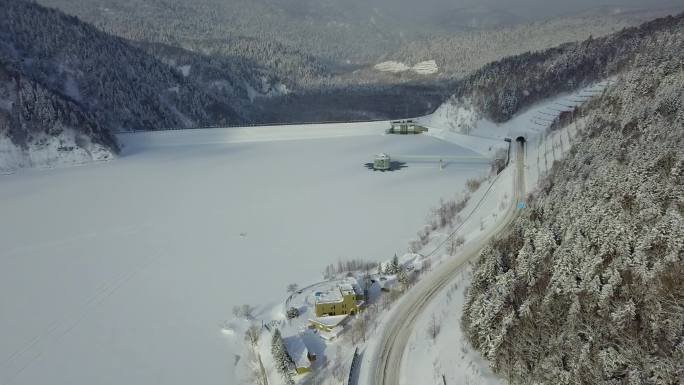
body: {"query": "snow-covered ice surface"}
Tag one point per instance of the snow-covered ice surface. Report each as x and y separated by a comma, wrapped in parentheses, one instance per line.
(122, 272)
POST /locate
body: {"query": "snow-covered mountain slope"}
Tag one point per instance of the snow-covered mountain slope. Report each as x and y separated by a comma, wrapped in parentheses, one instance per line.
(502, 89)
(587, 288)
(460, 117)
(121, 86)
(39, 128)
(66, 84)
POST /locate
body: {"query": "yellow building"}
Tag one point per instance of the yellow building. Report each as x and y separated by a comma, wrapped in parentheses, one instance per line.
(340, 301)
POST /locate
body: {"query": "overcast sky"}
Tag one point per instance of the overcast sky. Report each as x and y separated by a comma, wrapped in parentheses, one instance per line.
(527, 9)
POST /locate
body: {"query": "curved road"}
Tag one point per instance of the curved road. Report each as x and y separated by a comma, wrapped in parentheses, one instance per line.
(394, 339)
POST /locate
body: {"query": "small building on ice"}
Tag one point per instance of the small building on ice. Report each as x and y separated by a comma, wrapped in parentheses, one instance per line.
(382, 162)
(405, 127)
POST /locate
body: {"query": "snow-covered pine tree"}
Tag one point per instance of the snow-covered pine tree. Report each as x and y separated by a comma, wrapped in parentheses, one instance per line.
(392, 267)
(403, 278)
(283, 363)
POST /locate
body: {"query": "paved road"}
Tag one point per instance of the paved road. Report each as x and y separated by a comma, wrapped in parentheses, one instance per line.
(398, 330)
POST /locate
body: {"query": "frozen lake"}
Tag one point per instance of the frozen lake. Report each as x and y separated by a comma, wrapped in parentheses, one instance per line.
(120, 272)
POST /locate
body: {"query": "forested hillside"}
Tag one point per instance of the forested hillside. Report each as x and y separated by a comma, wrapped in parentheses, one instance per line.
(500, 89)
(41, 128)
(310, 45)
(587, 287)
(157, 64)
(124, 87)
(59, 70)
(316, 60)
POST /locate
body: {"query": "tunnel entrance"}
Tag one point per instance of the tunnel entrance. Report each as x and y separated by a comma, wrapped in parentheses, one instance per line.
(520, 139)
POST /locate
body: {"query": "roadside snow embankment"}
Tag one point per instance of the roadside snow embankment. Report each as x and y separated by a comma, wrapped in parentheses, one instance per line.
(437, 347)
(66, 149)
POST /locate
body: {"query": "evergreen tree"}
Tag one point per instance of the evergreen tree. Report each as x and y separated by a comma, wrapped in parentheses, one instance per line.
(281, 358)
(403, 278)
(392, 267)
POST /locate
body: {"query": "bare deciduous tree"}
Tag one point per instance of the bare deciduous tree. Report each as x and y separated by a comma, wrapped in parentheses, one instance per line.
(433, 328)
(292, 288)
(253, 334)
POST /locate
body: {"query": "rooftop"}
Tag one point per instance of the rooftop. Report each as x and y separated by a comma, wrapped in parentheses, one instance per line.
(333, 295)
(297, 350)
(332, 334)
(347, 289)
(329, 322)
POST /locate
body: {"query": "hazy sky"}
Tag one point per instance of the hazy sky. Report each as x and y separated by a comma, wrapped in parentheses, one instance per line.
(528, 9)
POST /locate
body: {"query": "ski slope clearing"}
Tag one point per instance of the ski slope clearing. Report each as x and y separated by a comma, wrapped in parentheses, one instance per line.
(427, 67)
(121, 272)
(458, 117)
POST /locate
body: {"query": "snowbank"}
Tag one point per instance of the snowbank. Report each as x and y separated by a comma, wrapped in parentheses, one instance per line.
(449, 354)
(49, 151)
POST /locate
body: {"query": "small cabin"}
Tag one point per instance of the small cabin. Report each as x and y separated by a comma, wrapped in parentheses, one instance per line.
(299, 353)
(382, 162)
(405, 127)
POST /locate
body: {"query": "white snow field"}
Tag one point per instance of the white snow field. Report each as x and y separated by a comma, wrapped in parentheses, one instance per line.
(121, 272)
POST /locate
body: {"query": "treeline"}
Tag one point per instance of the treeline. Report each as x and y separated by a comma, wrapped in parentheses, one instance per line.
(502, 88)
(294, 40)
(586, 288)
